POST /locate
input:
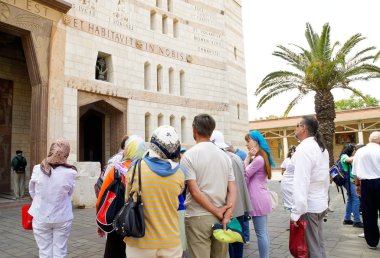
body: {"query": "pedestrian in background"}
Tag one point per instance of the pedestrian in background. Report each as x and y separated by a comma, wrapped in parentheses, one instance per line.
(311, 184)
(18, 166)
(237, 151)
(258, 170)
(243, 203)
(287, 179)
(51, 187)
(353, 202)
(366, 167)
(246, 230)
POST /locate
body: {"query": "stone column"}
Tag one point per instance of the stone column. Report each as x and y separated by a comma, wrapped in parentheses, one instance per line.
(285, 144)
(360, 134)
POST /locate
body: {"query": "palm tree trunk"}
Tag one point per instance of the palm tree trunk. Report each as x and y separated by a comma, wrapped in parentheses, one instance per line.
(325, 111)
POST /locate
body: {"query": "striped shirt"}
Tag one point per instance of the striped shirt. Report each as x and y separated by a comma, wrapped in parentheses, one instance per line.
(160, 199)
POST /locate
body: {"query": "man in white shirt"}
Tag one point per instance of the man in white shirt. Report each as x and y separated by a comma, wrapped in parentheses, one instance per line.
(366, 167)
(211, 194)
(311, 184)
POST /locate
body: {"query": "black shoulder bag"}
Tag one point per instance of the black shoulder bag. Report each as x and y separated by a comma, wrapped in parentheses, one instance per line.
(130, 219)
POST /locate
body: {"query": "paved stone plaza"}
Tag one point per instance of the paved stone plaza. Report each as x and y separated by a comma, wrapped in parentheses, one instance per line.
(341, 241)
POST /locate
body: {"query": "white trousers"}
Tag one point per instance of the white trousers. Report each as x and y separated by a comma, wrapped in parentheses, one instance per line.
(52, 238)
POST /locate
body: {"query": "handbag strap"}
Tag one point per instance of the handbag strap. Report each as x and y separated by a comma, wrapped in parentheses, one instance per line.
(139, 171)
(138, 163)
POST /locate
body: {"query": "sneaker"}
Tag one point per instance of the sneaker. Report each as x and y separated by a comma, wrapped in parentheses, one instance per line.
(361, 235)
(348, 222)
(372, 247)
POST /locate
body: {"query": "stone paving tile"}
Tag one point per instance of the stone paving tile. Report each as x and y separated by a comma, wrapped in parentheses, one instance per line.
(341, 241)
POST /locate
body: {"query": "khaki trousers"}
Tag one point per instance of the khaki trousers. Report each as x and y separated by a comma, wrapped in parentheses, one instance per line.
(133, 252)
(200, 241)
(19, 184)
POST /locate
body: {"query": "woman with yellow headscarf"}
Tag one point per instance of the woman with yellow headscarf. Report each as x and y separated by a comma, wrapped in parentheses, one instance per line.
(134, 148)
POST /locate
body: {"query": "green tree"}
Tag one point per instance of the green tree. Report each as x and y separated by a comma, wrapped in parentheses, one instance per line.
(355, 102)
(320, 68)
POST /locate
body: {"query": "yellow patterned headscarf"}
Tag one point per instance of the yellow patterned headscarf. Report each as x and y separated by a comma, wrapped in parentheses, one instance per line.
(134, 148)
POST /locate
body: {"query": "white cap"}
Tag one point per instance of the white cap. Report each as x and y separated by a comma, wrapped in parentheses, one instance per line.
(218, 139)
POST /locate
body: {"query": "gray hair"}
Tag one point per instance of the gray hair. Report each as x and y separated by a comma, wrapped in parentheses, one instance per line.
(374, 137)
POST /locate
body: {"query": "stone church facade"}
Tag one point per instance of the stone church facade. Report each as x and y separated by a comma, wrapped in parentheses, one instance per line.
(95, 70)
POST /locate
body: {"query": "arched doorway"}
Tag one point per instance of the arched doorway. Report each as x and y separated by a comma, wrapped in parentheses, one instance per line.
(92, 136)
(101, 127)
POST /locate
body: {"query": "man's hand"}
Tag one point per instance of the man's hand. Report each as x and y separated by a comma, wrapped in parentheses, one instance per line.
(227, 218)
(358, 190)
(294, 223)
(219, 213)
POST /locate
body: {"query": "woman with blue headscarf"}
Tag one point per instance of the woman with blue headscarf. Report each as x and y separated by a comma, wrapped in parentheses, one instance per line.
(257, 171)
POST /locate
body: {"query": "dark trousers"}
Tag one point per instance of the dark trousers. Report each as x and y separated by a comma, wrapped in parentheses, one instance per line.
(115, 246)
(236, 249)
(370, 191)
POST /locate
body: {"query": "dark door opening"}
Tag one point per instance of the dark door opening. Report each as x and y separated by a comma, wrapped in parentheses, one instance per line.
(6, 102)
(92, 136)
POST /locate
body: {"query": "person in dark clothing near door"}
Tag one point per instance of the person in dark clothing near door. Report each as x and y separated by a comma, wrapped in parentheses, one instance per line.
(18, 167)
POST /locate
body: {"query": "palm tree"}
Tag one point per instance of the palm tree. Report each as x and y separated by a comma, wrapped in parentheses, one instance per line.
(320, 69)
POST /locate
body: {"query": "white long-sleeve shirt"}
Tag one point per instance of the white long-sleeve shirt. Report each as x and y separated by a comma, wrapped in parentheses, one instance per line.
(52, 195)
(366, 164)
(311, 179)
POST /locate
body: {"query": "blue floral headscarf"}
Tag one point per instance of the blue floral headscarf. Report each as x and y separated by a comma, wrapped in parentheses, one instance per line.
(258, 137)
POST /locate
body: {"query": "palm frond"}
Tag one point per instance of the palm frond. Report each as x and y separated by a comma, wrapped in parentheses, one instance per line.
(377, 56)
(356, 92)
(311, 37)
(324, 43)
(362, 52)
(293, 103)
(271, 94)
(348, 45)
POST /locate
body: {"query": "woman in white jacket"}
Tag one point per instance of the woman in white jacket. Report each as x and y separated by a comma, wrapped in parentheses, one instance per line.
(51, 187)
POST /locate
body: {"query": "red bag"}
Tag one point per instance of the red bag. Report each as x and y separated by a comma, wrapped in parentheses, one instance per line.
(26, 218)
(297, 239)
(111, 202)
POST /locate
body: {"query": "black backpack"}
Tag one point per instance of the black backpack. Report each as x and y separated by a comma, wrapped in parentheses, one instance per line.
(20, 164)
(111, 202)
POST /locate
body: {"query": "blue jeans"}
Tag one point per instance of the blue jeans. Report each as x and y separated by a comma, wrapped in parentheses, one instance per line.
(246, 227)
(260, 224)
(352, 204)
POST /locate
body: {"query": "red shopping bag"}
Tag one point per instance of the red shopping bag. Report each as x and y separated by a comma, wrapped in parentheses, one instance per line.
(26, 218)
(297, 239)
